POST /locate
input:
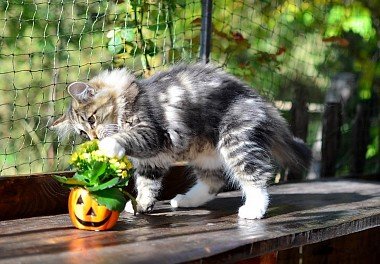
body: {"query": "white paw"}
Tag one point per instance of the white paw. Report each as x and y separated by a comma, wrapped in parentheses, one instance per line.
(111, 148)
(196, 196)
(129, 208)
(178, 201)
(189, 201)
(256, 203)
(251, 212)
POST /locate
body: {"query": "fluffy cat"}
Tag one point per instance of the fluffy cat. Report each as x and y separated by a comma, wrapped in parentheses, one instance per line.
(195, 113)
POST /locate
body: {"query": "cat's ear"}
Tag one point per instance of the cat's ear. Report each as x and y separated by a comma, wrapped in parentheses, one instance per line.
(81, 91)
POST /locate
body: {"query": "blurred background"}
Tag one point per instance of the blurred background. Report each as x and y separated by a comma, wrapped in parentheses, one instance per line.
(317, 61)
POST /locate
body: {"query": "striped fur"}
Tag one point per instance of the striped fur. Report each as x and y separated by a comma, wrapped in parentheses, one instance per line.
(193, 113)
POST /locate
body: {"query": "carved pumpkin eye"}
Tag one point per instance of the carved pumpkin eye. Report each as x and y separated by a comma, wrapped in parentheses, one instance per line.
(91, 212)
(80, 200)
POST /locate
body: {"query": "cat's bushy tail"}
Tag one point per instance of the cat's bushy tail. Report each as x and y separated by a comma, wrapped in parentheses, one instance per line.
(293, 153)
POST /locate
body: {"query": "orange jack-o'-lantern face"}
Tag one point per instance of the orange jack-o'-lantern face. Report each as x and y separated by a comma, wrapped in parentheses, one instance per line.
(86, 213)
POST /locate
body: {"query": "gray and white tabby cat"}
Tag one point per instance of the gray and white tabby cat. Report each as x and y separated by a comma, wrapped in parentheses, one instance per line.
(195, 113)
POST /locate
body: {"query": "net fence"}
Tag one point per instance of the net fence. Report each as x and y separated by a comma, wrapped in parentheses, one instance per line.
(291, 51)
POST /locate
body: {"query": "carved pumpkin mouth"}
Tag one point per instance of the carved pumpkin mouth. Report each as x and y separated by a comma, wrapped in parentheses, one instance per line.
(93, 224)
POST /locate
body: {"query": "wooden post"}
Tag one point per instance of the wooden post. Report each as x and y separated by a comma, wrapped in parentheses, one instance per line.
(299, 122)
(331, 123)
(300, 114)
(360, 137)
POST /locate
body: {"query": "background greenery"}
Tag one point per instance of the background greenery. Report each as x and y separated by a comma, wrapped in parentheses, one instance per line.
(282, 48)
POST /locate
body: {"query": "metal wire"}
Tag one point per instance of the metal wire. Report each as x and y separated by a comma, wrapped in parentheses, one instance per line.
(275, 46)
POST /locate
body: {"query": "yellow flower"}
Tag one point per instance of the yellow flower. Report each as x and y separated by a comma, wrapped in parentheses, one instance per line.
(113, 161)
(124, 174)
(88, 154)
(98, 156)
(122, 165)
(128, 164)
(74, 157)
(85, 156)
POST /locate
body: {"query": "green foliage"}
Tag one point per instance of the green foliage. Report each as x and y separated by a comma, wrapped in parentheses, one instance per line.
(355, 18)
(111, 198)
(148, 32)
(275, 46)
(279, 47)
(44, 45)
(103, 177)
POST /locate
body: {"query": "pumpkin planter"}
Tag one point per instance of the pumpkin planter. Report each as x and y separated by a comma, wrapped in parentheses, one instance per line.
(85, 212)
(96, 196)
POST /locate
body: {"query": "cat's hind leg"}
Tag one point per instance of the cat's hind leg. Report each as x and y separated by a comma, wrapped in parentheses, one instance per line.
(209, 183)
(249, 164)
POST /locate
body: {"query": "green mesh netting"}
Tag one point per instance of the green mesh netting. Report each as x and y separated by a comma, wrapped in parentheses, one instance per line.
(288, 50)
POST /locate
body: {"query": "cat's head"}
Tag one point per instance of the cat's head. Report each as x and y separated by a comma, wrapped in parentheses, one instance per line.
(96, 106)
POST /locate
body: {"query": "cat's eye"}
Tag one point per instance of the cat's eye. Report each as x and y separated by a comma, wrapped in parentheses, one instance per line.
(84, 134)
(91, 120)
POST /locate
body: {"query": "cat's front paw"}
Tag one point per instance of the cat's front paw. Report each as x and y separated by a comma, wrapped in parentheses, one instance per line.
(143, 206)
(129, 207)
(111, 148)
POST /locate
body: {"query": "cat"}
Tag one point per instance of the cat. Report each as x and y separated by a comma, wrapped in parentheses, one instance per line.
(192, 112)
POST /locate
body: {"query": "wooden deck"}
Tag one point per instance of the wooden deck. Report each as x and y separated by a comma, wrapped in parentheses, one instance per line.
(299, 214)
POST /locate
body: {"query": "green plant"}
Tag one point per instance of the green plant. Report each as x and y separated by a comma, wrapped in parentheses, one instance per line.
(102, 176)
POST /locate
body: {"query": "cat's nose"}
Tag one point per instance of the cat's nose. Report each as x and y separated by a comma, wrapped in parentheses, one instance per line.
(92, 135)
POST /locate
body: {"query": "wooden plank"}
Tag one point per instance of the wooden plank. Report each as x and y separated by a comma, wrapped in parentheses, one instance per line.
(34, 195)
(299, 214)
(40, 194)
(357, 248)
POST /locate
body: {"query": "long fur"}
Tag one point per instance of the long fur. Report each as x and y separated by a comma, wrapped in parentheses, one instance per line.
(195, 113)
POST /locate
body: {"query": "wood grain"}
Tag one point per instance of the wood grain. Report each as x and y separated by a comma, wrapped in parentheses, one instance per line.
(357, 248)
(40, 194)
(299, 214)
(34, 195)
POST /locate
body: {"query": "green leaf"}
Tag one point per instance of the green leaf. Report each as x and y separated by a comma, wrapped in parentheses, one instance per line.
(123, 182)
(98, 169)
(109, 184)
(181, 3)
(128, 34)
(82, 177)
(150, 48)
(158, 26)
(115, 45)
(112, 198)
(69, 181)
(135, 51)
